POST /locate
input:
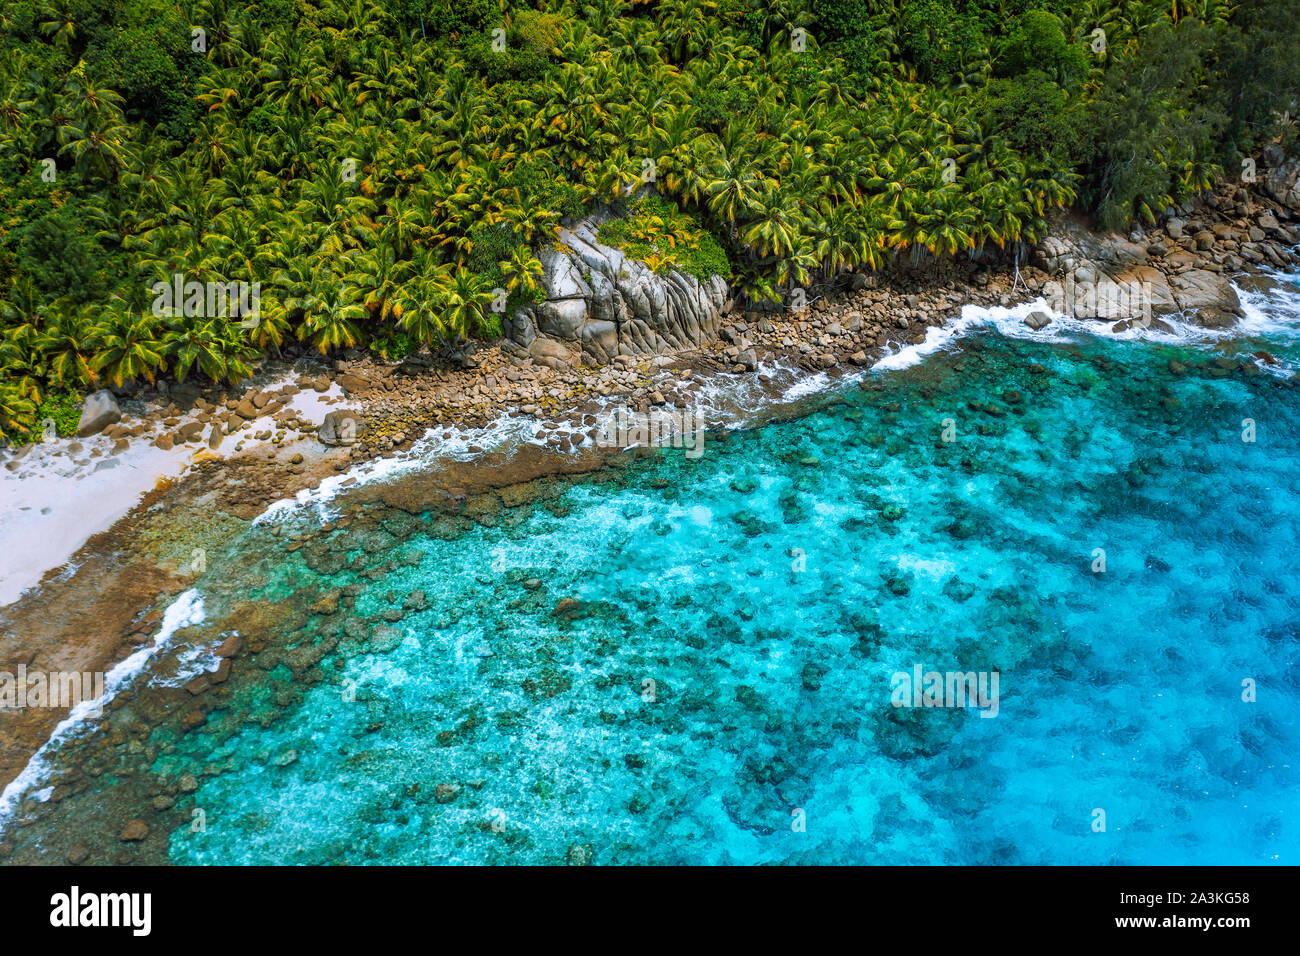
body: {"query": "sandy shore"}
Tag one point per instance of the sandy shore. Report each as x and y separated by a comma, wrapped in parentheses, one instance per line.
(57, 494)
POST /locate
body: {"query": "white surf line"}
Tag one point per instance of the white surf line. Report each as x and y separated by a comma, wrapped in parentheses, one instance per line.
(728, 402)
(1174, 329)
(185, 611)
(725, 401)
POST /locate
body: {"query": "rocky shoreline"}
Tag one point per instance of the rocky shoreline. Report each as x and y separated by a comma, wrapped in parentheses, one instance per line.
(1183, 265)
(261, 444)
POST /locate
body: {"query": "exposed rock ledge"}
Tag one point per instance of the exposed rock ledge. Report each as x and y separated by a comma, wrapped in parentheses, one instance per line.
(1282, 178)
(600, 304)
(1184, 266)
(1110, 278)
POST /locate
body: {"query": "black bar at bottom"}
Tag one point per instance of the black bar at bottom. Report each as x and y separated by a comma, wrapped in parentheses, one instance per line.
(331, 906)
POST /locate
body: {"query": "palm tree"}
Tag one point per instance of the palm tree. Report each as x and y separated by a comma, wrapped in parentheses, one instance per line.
(467, 299)
(273, 325)
(523, 272)
(210, 344)
(127, 344)
(99, 144)
(776, 226)
(58, 22)
(331, 314)
(735, 193)
(374, 277)
(17, 412)
(686, 26)
(16, 353)
(67, 351)
(422, 311)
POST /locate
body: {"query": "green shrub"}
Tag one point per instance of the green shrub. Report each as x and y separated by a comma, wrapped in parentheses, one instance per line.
(493, 245)
(144, 54)
(1032, 114)
(489, 326)
(863, 56)
(59, 253)
(535, 31)
(64, 409)
(391, 345)
(1038, 42)
(140, 63)
(933, 37)
(262, 119)
(705, 259)
(501, 66)
(839, 19)
(656, 231)
(272, 12)
(718, 103)
(543, 184)
(440, 18)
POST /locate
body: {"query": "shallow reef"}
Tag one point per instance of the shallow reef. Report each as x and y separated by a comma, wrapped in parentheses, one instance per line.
(690, 661)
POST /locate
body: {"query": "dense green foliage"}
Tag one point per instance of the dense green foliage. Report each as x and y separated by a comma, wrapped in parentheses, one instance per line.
(1037, 42)
(656, 231)
(390, 173)
(63, 409)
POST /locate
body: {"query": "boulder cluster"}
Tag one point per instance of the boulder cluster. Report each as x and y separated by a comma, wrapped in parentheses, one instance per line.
(600, 304)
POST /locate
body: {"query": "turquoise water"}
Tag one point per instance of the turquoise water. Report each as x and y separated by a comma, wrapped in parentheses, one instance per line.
(769, 590)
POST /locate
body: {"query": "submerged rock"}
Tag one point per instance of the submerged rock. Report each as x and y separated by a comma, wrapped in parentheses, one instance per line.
(569, 609)
(579, 854)
(811, 676)
(384, 639)
(868, 631)
(134, 831)
(446, 792)
(957, 590)
(78, 854)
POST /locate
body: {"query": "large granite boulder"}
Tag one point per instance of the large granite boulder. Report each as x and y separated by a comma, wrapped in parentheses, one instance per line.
(98, 411)
(562, 319)
(339, 428)
(1119, 252)
(1076, 249)
(1282, 179)
(552, 353)
(1139, 291)
(1207, 298)
(1054, 254)
(1149, 285)
(599, 304)
(521, 328)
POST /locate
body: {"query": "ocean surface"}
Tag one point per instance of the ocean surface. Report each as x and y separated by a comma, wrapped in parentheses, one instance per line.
(698, 660)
